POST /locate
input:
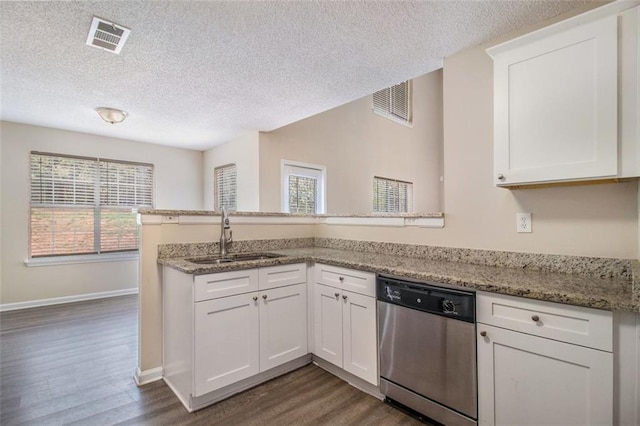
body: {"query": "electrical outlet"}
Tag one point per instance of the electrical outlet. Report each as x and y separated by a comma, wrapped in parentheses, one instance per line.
(170, 219)
(523, 222)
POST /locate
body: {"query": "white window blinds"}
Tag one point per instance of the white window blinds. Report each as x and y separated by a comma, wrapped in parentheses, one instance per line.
(84, 205)
(125, 184)
(225, 185)
(394, 102)
(302, 194)
(392, 196)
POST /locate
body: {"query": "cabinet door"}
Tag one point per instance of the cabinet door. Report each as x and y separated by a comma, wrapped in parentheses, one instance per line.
(359, 336)
(226, 341)
(528, 380)
(327, 316)
(283, 325)
(555, 105)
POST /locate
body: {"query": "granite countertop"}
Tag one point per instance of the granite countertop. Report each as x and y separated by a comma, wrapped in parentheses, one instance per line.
(575, 289)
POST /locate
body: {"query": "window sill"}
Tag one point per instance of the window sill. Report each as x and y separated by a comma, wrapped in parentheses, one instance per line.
(81, 258)
(395, 119)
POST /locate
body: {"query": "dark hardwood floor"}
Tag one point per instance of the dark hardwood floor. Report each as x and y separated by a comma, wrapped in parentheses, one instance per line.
(74, 364)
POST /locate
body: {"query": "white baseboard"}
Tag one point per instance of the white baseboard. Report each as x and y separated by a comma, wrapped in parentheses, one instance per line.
(147, 376)
(67, 299)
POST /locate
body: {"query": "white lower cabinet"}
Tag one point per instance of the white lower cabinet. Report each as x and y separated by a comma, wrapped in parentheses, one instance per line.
(327, 322)
(529, 378)
(359, 336)
(345, 331)
(283, 325)
(226, 342)
(214, 339)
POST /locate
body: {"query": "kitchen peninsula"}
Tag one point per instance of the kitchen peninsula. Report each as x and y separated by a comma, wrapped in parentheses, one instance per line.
(605, 285)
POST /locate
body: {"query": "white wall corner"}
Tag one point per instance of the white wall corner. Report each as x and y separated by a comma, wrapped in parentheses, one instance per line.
(147, 376)
(242, 151)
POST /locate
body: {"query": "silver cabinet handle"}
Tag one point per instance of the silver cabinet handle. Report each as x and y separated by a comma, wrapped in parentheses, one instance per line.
(500, 176)
(255, 298)
(337, 295)
(264, 296)
(535, 318)
(483, 333)
(344, 297)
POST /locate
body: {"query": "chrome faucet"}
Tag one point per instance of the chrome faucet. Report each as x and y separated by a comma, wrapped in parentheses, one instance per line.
(224, 226)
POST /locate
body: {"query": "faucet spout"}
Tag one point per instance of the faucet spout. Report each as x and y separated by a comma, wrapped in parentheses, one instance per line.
(224, 227)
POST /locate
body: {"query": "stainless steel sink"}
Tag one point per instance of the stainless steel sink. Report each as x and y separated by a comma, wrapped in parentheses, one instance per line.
(230, 258)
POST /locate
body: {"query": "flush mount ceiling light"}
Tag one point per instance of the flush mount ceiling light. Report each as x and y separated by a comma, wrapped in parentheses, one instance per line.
(112, 115)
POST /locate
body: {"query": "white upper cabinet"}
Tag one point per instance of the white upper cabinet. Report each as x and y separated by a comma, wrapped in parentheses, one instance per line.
(565, 100)
(629, 111)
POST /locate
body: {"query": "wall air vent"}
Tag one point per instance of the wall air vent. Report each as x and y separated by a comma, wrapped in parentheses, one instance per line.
(107, 35)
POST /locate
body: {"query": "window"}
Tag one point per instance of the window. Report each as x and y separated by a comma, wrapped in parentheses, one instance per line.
(225, 185)
(395, 102)
(85, 205)
(392, 196)
(303, 188)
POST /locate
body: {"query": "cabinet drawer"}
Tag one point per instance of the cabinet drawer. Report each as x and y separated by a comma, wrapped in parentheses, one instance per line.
(212, 286)
(572, 324)
(347, 279)
(282, 275)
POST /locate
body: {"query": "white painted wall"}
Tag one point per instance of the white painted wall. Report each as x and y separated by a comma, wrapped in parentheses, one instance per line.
(355, 144)
(178, 185)
(242, 151)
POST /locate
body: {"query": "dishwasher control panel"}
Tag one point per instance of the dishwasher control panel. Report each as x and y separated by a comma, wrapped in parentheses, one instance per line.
(427, 297)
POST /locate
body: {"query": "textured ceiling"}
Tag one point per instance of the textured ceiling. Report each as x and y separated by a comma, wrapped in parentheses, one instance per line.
(194, 74)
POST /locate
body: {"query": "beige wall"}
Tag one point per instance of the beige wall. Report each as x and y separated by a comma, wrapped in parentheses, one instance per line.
(242, 151)
(594, 220)
(178, 184)
(355, 145)
(150, 323)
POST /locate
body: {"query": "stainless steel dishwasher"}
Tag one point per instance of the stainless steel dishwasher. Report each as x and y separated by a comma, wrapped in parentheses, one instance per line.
(427, 344)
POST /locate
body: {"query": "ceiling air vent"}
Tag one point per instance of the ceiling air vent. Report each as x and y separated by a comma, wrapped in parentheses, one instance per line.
(107, 35)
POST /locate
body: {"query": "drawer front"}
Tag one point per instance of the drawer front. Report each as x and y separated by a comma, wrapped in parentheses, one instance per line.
(213, 286)
(588, 327)
(346, 279)
(283, 275)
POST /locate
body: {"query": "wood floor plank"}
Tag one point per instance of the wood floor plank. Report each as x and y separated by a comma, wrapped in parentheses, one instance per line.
(73, 365)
